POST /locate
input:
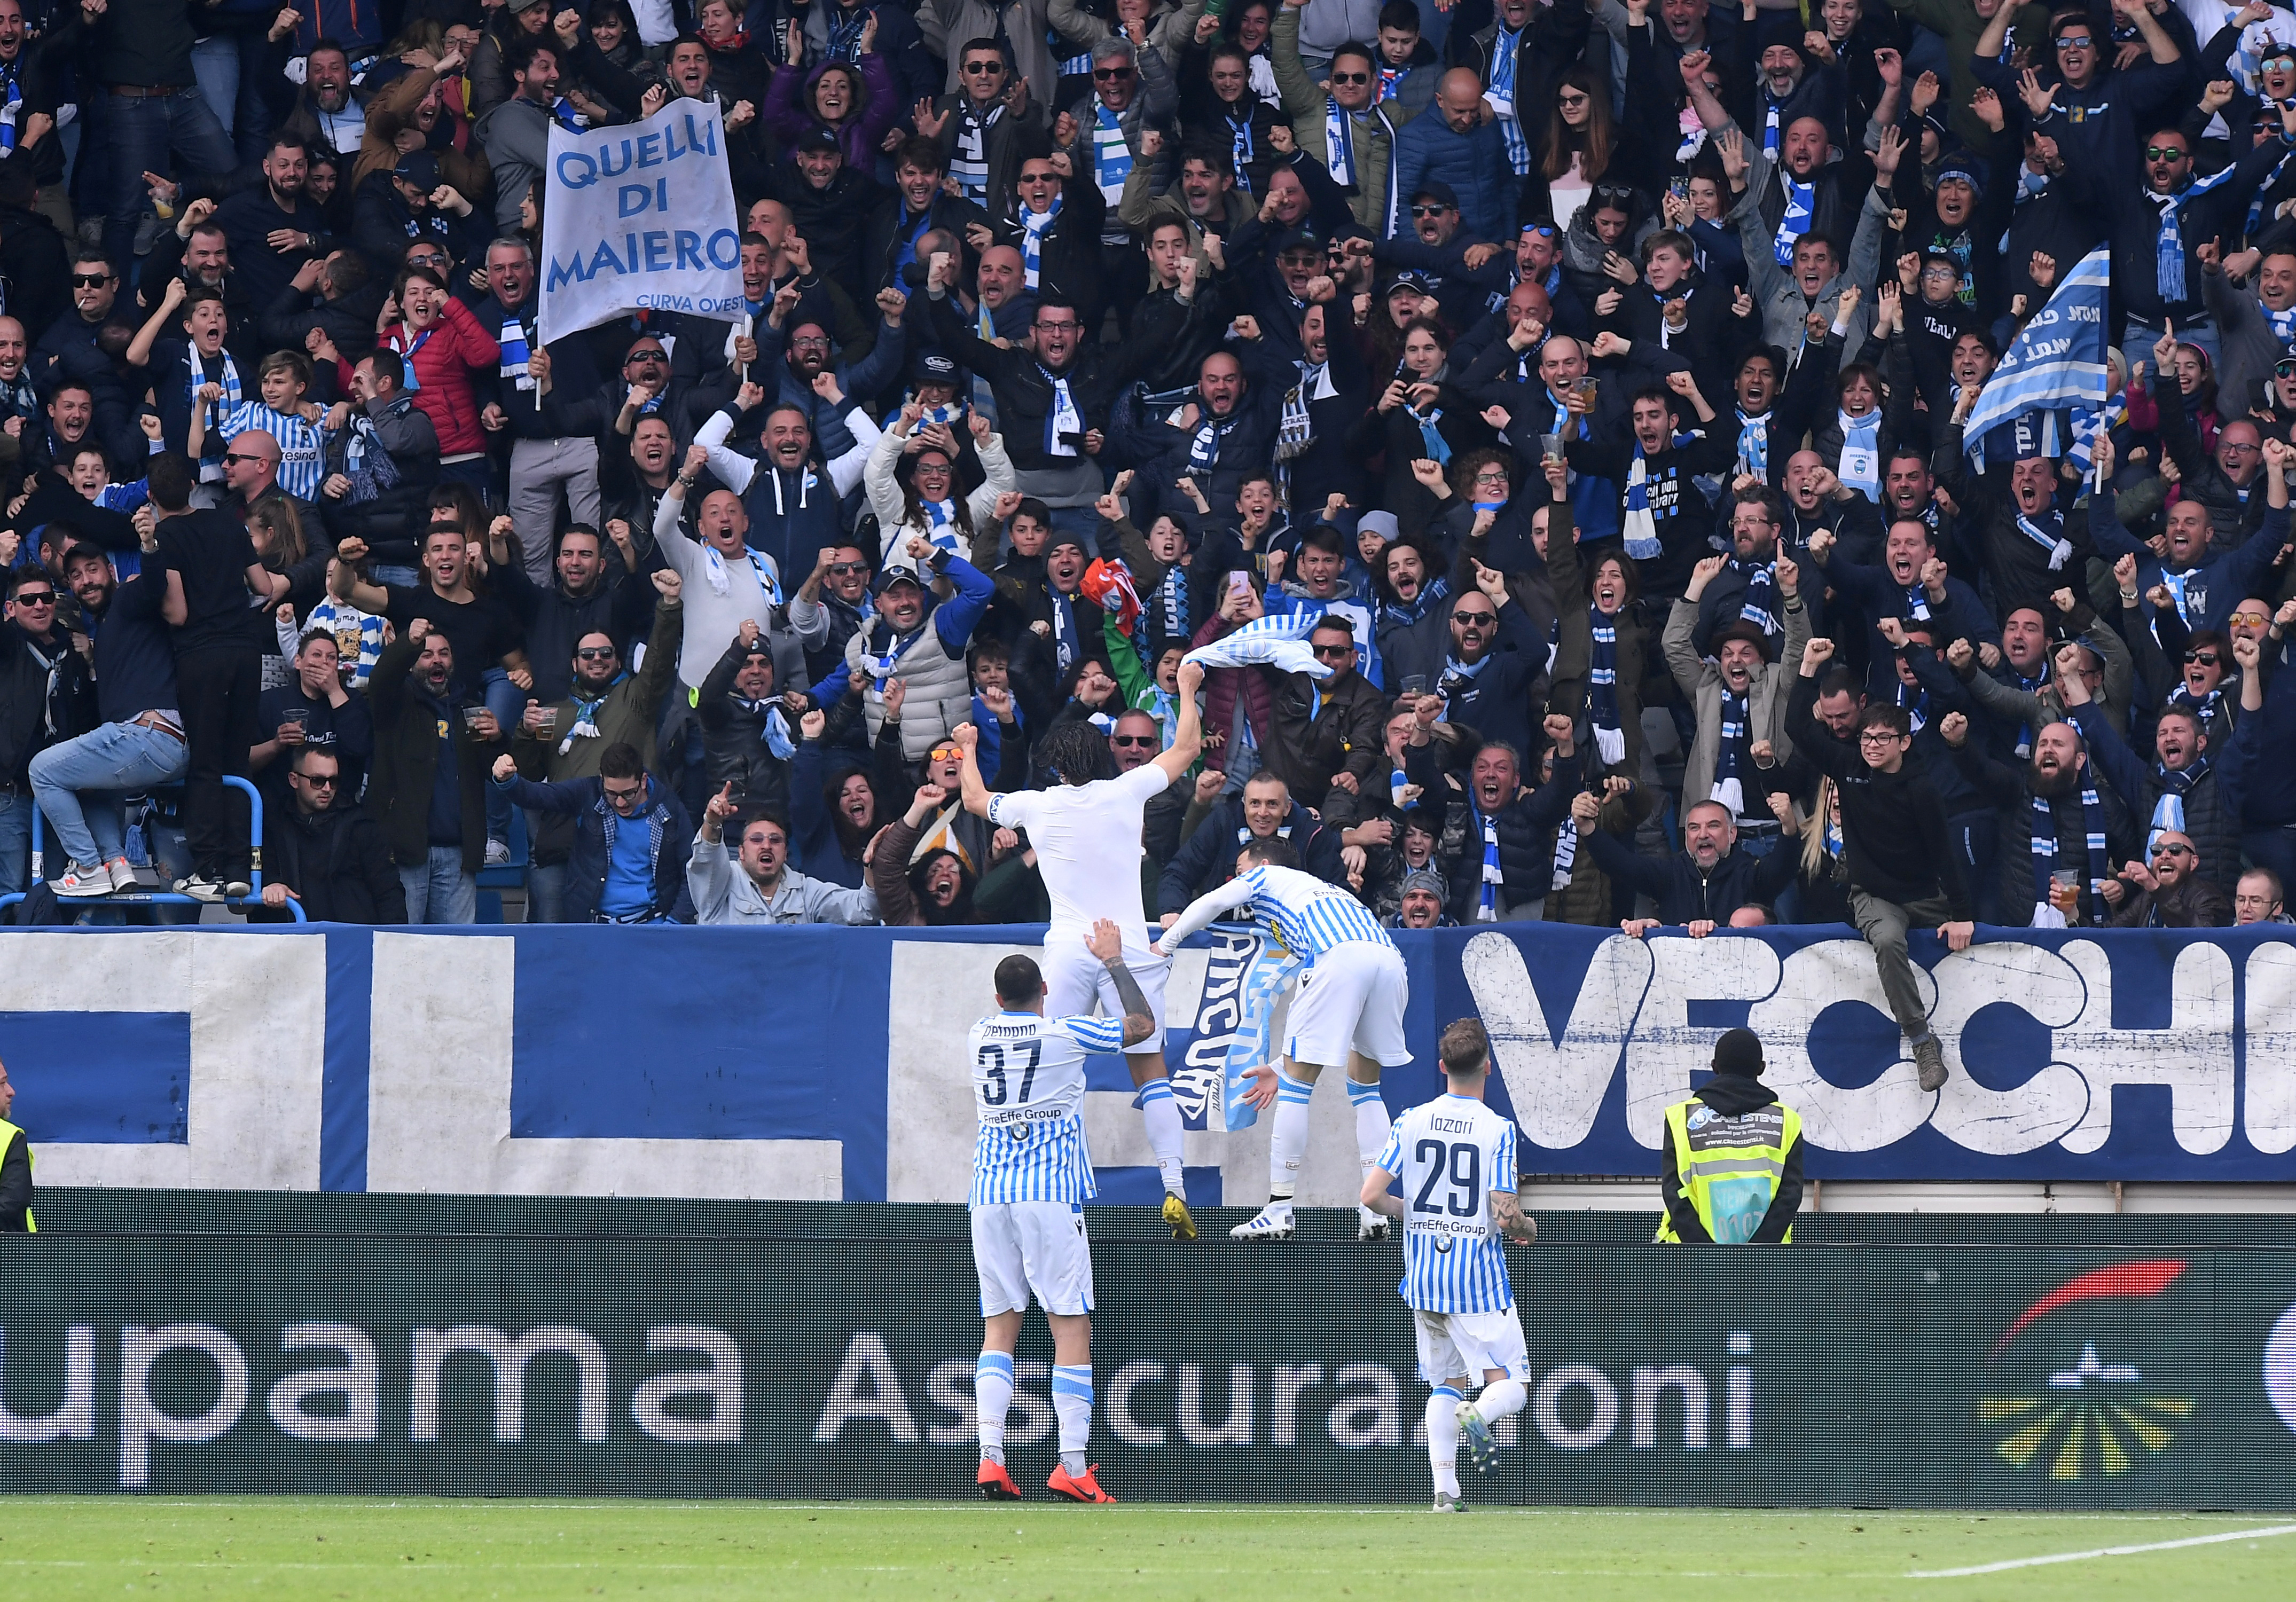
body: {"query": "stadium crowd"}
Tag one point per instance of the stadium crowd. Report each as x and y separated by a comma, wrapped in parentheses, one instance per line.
(1585, 383)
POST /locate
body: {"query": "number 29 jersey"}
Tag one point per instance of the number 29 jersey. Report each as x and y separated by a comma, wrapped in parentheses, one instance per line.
(1028, 1086)
(1451, 1154)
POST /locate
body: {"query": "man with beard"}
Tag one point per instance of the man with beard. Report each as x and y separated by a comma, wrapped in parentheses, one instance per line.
(812, 355)
(275, 228)
(323, 852)
(1217, 437)
(2060, 827)
(2011, 508)
(747, 736)
(1700, 887)
(1338, 122)
(78, 346)
(1788, 217)
(1911, 583)
(1204, 197)
(829, 203)
(1746, 587)
(428, 788)
(1421, 905)
(2202, 587)
(921, 640)
(1738, 697)
(2174, 892)
(831, 606)
(1051, 401)
(628, 843)
(894, 238)
(758, 886)
(693, 73)
(2184, 791)
(586, 596)
(328, 108)
(1497, 845)
(1055, 226)
(2020, 691)
(1128, 83)
(1660, 513)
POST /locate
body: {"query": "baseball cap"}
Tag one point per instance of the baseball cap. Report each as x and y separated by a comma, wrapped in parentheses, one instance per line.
(817, 139)
(420, 168)
(900, 569)
(934, 368)
(1298, 239)
(1439, 191)
(1416, 282)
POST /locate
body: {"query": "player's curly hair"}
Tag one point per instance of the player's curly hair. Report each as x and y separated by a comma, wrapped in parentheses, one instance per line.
(1075, 752)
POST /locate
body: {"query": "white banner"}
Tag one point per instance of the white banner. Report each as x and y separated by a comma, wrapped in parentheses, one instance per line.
(640, 216)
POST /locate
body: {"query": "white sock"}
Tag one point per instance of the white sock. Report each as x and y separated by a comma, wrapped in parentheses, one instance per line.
(1287, 1140)
(1501, 1399)
(1162, 1115)
(1443, 1440)
(1072, 1405)
(1372, 1123)
(992, 1399)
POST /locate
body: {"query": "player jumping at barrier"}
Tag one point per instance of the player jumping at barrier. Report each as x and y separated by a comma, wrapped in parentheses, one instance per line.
(1085, 831)
(1031, 1176)
(1349, 1009)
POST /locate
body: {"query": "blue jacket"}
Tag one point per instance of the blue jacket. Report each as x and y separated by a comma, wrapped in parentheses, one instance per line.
(595, 825)
(1474, 165)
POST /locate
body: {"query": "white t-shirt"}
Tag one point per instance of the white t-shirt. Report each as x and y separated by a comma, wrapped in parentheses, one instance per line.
(1088, 847)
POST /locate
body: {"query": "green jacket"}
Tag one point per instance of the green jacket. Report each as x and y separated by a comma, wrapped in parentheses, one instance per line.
(1306, 103)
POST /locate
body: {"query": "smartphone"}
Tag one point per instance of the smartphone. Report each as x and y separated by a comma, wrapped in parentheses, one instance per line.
(1239, 583)
(1679, 188)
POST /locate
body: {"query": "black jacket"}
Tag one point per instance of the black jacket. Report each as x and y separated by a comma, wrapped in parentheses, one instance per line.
(733, 738)
(1686, 895)
(335, 861)
(1733, 1096)
(41, 702)
(407, 762)
(1526, 829)
(1206, 860)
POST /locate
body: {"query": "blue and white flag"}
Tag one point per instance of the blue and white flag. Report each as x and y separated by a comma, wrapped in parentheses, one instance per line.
(2056, 360)
(1281, 642)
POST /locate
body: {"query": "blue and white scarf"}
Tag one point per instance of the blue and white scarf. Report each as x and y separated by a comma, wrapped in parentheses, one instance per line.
(773, 725)
(2048, 532)
(1916, 703)
(1061, 418)
(1241, 149)
(720, 580)
(1505, 48)
(1801, 201)
(1487, 900)
(1770, 127)
(1603, 689)
(1861, 454)
(941, 523)
(1280, 642)
(2087, 425)
(12, 92)
(562, 113)
(1111, 155)
(1034, 225)
(1640, 527)
(516, 354)
(2169, 250)
(2169, 811)
(968, 160)
(1204, 444)
(2045, 845)
(1756, 605)
(1729, 752)
(584, 722)
(1430, 436)
(212, 450)
(1338, 144)
(1754, 445)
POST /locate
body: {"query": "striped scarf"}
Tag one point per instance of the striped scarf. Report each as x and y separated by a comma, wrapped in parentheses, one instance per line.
(2045, 846)
(1603, 689)
(1754, 445)
(1641, 526)
(1033, 225)
(1861, 454)
(1486, 901)
(1504, 49)
(1729, 780)
(1338, 144)
(2169, 811)
(1756, 605)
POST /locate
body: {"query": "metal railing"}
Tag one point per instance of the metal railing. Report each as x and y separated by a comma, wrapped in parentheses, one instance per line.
(169, 897)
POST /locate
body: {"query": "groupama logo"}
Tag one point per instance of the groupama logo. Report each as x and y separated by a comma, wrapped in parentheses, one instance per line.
(2079, 1414)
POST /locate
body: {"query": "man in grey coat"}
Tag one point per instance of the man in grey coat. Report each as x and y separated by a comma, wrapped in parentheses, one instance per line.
(754, 883)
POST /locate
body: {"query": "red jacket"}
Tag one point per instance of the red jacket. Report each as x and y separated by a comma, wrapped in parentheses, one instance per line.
(456, 343)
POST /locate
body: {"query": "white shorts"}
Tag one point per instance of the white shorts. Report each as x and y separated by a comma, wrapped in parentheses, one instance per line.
(1351, 998)
(1020, 1247)
(1455, 1346)
(1074, 979)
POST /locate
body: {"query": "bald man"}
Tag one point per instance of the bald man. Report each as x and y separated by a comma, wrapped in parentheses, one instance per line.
(1462, 148)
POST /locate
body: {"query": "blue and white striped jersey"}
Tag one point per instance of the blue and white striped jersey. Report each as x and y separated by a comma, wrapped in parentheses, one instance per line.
(1028, 1086)
(1451, 1152)
(302, 445)
(1308, 915)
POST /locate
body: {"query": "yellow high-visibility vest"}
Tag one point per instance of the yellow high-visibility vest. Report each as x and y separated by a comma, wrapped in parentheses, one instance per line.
(8, 1134)
(1730, 1168)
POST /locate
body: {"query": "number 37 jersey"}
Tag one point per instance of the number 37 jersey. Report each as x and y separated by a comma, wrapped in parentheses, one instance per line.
(1028, 1085)
(1450, 1154)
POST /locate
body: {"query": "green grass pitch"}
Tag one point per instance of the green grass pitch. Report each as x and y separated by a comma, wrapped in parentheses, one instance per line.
(294, 1548)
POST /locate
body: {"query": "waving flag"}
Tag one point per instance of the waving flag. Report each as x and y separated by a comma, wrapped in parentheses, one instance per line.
(2057, 360)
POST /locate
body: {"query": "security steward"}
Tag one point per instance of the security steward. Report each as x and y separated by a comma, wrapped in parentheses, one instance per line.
(1733, 1162)
(15, 1167)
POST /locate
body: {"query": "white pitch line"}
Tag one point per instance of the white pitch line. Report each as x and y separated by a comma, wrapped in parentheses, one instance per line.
(2155, 1546)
